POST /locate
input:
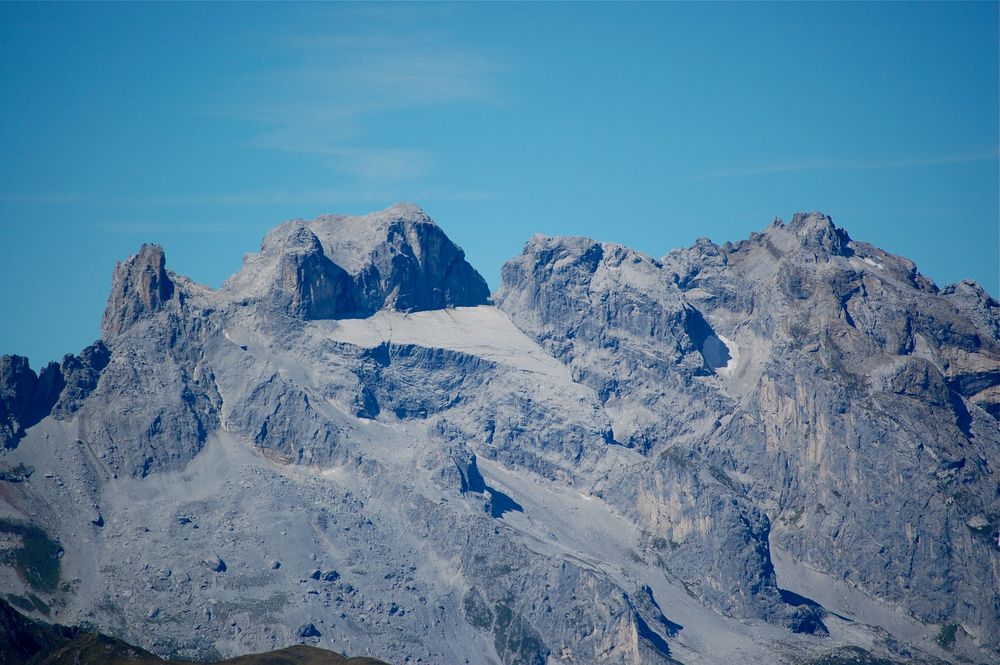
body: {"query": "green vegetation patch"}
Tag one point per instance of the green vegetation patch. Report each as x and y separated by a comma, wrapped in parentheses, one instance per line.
(851, 656)
(946, 636)
(660, 543)
(35, 557)
(15, 474)
(724, 479)
(793, 517)
(677, 455)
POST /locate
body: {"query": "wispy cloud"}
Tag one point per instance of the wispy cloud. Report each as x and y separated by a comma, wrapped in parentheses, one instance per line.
(326, 95)
(265, 197)
(333, 89)
(322, 200)
(252, 197)
(164, 228)
(847, 165)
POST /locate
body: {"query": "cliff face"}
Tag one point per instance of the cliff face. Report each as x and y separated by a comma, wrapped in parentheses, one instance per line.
(845, 395)
(712, 455)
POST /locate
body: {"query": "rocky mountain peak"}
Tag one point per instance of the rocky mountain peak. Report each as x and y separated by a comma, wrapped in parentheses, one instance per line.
(140, 286)
(561, 252)
(350, 241)
(973, 293)
(695, 456)
(292, 236)
(815, 235)
(58, 389)
(563, 291)
(338, 266)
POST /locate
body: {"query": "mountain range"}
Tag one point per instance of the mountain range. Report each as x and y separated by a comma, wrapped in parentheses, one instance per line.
(777, 450)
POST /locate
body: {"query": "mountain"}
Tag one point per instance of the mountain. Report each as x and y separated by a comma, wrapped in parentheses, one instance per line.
(780, 449)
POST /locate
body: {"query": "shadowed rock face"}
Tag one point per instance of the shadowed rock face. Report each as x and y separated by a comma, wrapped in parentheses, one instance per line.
(414, 267)
(316, 288)
(609, 466)
(18, 405)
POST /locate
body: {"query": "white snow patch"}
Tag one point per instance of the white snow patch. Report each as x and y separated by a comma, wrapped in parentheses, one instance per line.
(858, 260)
(698, 293)
(722, 354)
(482, 331)
(872, 262)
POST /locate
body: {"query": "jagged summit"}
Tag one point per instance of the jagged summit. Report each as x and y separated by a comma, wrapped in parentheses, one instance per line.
(338, 266)
(140, 285)
(818, 233)
(349, 241)
(809, 236)
(331, 267)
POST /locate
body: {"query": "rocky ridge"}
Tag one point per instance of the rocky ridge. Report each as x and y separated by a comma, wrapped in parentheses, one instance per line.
(780, 446)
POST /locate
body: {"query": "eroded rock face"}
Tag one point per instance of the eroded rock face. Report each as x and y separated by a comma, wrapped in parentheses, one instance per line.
(412, 266)
(146, 400)
(79, 376)
(603, 468)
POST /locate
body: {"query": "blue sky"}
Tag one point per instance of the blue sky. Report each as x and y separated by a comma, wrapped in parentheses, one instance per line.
(200, 126)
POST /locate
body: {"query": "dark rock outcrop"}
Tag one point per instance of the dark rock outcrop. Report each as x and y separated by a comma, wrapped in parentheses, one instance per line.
(59, 390)
(23, 640)
(25, 397)
(17, 387)
(308, 285)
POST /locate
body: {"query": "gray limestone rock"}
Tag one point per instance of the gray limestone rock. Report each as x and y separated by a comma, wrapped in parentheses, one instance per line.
(736, 452)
